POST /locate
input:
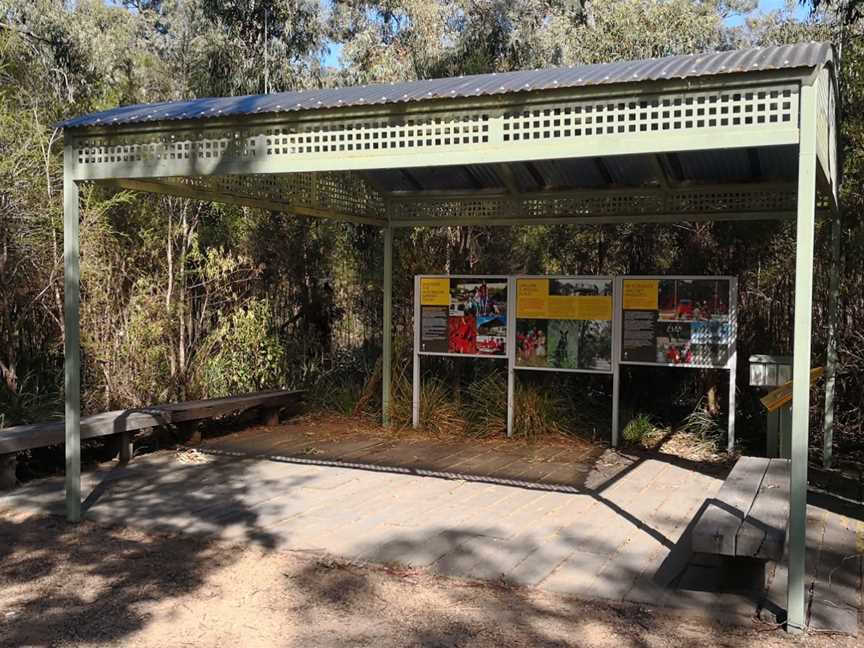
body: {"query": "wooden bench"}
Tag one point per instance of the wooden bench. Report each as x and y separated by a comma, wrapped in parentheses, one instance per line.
(749, 516)
(123, 422)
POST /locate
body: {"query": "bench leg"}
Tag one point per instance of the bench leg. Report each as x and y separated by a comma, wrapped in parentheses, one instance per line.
(124, 440)
(8, 481)
(270, 415)
(190, 433)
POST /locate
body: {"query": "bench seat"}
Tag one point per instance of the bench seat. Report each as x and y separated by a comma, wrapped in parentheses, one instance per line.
(749, 515)
(39, 435)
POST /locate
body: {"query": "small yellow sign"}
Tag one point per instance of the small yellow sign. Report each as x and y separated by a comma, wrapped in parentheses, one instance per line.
(641, 294)
(434, 291)
(532, 298)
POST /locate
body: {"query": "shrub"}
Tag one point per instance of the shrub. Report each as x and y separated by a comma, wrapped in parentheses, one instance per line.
(540, 411)
(243, 354)
(637, 429)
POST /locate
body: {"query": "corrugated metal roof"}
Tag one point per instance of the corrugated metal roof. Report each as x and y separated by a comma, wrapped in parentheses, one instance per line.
(802, 55)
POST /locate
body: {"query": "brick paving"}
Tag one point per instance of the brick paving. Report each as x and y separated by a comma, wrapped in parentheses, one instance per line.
(574, 520)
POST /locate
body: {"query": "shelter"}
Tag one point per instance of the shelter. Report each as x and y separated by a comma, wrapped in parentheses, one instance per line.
(737, 135)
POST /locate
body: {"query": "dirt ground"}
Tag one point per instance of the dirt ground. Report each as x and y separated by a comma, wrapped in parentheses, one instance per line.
(87, 585)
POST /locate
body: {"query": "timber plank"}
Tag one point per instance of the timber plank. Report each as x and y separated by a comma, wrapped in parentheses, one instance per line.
(763, 532)
(717, 529)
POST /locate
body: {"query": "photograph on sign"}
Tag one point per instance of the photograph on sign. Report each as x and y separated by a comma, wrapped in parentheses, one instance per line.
(564, 323)
(463, 315)
(676, 321)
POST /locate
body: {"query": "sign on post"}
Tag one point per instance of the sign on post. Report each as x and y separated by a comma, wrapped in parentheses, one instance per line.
(677, 321)
(578, 324)
(464, 316)
(564, 324)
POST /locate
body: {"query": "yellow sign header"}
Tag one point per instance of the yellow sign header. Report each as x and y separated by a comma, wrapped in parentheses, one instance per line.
(641, 294)
(434, 291)
(533, 301)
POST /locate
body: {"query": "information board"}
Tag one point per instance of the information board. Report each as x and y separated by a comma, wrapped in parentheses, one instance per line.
(564, 323)
(463, 316)
(677, 321)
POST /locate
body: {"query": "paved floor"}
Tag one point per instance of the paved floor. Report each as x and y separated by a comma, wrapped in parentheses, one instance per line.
(615, 529)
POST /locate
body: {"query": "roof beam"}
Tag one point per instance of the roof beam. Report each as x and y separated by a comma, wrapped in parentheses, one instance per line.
(508, 179)
(754, 162)
(603, 170)
(675, 167)
(193, 193)
(411, 179)
(660, 171)
(535, 175)
(475, 181)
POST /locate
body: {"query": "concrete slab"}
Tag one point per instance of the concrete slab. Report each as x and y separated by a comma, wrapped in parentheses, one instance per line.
(614, 529)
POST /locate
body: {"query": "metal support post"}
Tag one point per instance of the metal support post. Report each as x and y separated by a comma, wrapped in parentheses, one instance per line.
(831, 359)
(733, 362)
(387, 323)
(415, 381)
(511, 354)
(796, 603)
(72, 338)
(617, 317)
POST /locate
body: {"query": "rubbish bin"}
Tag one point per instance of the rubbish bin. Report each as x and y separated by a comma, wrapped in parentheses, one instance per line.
(768, 372)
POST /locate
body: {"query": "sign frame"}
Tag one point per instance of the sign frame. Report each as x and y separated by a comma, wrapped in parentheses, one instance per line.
(515, 299)
(731, 360)
(418, 309)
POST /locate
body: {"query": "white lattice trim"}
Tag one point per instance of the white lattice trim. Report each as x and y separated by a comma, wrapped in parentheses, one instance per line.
(388, 141)
(651, 202)
(345, 193)
(655, 114)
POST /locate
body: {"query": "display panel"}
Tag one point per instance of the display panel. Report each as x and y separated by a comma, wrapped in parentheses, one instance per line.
(564, 323)
(463, 315)
(677, 321)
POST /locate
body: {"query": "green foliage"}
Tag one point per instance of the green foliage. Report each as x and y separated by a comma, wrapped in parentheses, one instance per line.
(183, 299)
(637, 429)
(243, 354)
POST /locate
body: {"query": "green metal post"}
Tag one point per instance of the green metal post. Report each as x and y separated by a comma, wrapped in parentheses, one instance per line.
(72, 348)
(387, 342)
(796, 603)
(831, 359)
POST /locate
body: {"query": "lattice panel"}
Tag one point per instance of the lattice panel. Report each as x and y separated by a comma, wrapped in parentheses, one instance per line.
(730, 201)
(378, 135)
(593, 206)
(655, 114)
(241, 150)
(650, 203)
(444, 210)
(341, 192)
(175, 145)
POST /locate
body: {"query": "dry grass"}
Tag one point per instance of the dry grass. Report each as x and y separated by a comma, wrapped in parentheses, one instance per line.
(684, 444)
